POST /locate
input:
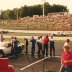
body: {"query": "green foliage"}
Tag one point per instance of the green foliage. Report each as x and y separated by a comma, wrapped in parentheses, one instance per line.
(16, 12)
(11, 15)
(32, 10)
(24, 11)
(5, 14)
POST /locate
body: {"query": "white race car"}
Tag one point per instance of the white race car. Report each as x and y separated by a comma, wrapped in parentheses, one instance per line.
(5, 48)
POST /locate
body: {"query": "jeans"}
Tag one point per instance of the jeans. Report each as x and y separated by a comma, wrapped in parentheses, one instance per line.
(45, 49)
(65, 68)
(52, 50)
(32, 51)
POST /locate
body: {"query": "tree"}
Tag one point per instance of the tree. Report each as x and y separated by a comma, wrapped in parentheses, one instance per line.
(32, 10)
(58, 8)
(23, 11)
(47, 7)
(12, 15)
(5, 14)
(16, 13)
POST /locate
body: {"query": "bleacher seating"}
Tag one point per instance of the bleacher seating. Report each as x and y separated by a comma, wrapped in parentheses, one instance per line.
(51, 22)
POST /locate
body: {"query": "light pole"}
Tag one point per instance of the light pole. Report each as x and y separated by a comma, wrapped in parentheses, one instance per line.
(0, 14)
(43, 9)
(43, 6)
(17, 14)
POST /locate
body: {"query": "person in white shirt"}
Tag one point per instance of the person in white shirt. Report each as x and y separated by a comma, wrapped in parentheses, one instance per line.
(67, 43)
(39, 44)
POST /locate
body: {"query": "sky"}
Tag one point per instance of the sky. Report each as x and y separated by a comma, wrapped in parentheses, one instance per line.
(10, 4)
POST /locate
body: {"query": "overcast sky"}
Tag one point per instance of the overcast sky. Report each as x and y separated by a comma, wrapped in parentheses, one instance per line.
(10, 4)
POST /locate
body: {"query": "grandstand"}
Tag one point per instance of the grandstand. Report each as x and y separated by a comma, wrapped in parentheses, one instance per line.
(61, 21)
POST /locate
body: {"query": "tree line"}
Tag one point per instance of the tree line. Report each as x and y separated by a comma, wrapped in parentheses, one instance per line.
(32, 10)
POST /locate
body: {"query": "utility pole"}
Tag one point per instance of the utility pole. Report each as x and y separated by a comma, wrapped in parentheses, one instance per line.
(0, 14)
(43, 7)
(17, 14)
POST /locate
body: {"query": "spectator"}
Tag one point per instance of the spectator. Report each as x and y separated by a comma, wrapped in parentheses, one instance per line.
(52, 46)
(26, 45)
(45, 44)
(33, 46)
(67, 43)
(41, 41)
(66, 59)
(1, 38)
(24, 41)
(15, 44)
(12, 45)
(39, 44)
(12, 40)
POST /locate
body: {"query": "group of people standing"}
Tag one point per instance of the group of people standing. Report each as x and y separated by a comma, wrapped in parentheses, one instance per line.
(42, 45)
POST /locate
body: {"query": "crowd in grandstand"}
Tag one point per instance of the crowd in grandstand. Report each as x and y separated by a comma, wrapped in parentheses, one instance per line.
(53, 21)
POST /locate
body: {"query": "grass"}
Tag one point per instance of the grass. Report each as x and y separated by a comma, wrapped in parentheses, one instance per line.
(20, 39)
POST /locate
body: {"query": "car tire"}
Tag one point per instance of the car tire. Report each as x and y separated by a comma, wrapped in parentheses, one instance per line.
(1, 54)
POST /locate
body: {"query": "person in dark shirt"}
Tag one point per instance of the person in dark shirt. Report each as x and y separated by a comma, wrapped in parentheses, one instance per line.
(33, 41)
(15, 44)
(26, 45)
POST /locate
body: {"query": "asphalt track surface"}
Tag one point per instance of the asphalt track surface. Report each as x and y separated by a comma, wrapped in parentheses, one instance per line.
(25, 63)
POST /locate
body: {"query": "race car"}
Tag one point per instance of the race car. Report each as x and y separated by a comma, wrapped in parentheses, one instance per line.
(5, 48)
